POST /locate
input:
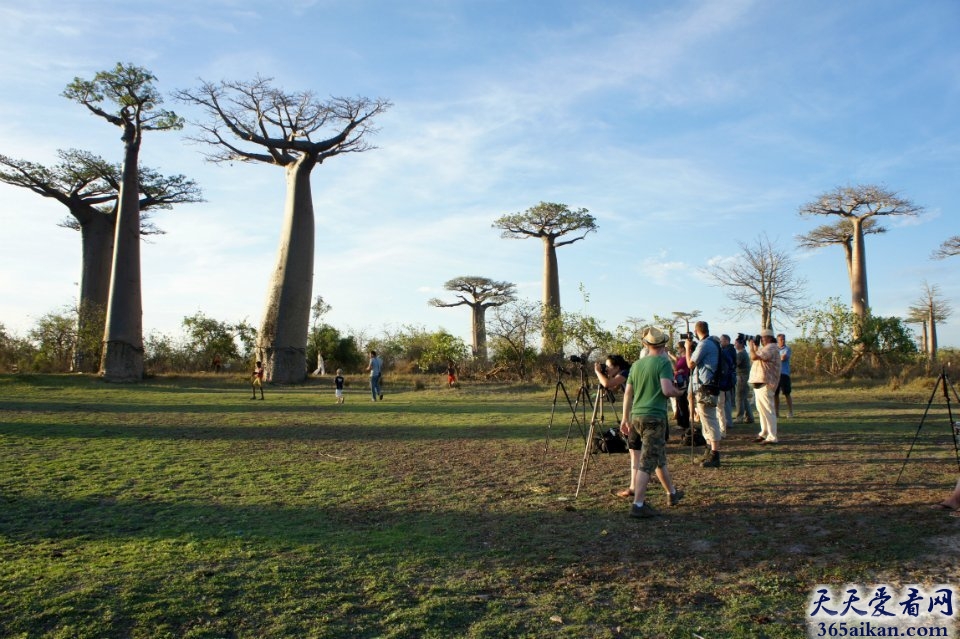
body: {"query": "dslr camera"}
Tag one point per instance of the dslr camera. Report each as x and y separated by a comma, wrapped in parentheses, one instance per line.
(749, 338)
(687, 335)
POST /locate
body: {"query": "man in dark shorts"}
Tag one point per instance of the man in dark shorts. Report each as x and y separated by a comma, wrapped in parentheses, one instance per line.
(649, 384)
(784, 386)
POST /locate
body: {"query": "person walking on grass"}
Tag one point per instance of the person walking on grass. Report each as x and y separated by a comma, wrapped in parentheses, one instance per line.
(338, 380)
(375, 366)
(649, 384)
(256, 380)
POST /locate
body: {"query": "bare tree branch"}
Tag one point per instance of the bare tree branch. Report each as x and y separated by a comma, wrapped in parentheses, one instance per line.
(762, 278)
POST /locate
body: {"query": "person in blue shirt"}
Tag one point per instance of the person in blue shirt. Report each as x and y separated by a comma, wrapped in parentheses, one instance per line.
(784, 386)
(703, 364)
(376, 376)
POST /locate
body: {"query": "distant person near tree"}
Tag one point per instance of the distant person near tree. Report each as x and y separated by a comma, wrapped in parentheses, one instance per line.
(321, 368)
(256, 380)
(451, 374)
(784, 386)
(375, 366)
(338, 380)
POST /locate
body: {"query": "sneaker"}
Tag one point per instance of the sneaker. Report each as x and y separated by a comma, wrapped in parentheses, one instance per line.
(381, 397)
(642, 512)
(674, 498)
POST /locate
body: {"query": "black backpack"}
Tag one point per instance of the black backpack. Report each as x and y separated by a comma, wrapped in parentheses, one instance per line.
(609, 441)
(726, 376)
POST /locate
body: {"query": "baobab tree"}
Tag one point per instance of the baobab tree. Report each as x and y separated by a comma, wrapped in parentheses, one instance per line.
(930, 309)
(762, 277)
(950, 247)
(89, 187)
(133, 107)
(251, 121)
(479, 293)
(856, 205)
(549, 222)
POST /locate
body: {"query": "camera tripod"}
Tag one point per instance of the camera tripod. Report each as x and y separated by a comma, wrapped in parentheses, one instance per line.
(583, 398)
(592, 435)
(954, 427)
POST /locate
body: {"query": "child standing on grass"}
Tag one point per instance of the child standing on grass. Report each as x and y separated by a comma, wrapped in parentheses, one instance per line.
(338, 380)
(256, 380)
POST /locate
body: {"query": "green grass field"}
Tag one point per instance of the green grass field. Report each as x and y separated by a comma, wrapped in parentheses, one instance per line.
(179, 508)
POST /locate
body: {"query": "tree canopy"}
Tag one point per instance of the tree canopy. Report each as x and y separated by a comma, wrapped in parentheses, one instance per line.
(549, 221)
(949, 248)
(762, 278)
(855, 205)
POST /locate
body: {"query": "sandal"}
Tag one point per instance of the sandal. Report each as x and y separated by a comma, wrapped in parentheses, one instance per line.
(942, 506)
(623, 492)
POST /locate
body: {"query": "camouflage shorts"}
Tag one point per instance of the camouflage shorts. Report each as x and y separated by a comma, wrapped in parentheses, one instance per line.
(652, 431)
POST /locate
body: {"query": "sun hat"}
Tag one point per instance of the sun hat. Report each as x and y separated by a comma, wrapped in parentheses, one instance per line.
(653, 336)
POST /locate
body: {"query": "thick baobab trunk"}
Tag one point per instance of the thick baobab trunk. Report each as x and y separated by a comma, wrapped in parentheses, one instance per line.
(122, 359)
(551, 297)
(282, 341)
(859, 302)
(931, 336)
(97, 236)
(923, 339)
(479, 332)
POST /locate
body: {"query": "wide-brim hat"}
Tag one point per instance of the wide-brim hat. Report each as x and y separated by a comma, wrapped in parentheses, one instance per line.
(766, 333)
(653, 336)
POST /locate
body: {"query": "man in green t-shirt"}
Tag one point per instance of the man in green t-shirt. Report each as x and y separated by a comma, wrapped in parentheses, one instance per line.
(649, 384)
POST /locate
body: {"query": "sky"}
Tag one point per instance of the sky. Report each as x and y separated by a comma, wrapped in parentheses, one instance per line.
(685, 127)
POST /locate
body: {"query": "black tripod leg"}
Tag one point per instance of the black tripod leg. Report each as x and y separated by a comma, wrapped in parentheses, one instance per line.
(947, 386)
(553, 410)
(919, 426)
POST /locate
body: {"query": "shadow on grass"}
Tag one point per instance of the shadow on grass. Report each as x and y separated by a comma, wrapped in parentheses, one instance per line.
(764, 531)
(288, 433)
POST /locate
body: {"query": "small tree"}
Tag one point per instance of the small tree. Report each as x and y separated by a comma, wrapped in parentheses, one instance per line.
(255, 122)
(208, 338)
(950, 247)
(549, 222)
(479, 293)
(55, 336)
(442, 347)
(763, 277)
(134, 99)
(843, 337)
(513, 328)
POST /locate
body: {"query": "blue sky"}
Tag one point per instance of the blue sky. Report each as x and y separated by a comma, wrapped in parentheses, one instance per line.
(683, 126)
